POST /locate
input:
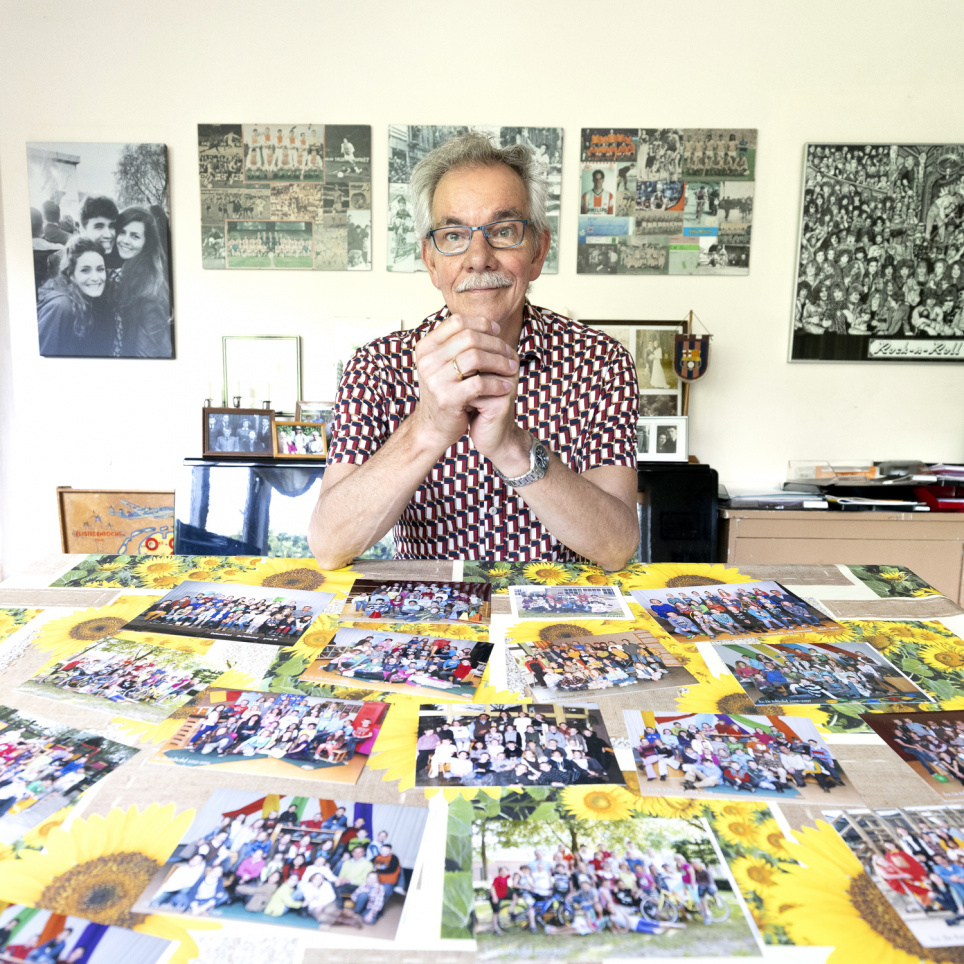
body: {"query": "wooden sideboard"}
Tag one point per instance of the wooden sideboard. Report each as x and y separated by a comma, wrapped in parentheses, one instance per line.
(931, 544)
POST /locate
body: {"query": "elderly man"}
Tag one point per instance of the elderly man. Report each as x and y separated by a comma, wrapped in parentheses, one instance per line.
(495, 429)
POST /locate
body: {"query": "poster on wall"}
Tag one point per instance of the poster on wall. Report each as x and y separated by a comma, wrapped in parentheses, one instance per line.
(285, 196)
(666, 201)
(100, 227)
(408, 144)
(879, 272)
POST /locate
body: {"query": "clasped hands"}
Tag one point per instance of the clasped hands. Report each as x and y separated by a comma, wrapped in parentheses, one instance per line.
(468, 380)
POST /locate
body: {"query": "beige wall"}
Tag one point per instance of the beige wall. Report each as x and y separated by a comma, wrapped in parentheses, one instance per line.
(819, 71)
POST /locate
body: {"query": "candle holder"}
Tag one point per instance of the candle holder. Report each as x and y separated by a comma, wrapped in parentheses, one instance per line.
(207, 403)
(266, 403)
(237, 401)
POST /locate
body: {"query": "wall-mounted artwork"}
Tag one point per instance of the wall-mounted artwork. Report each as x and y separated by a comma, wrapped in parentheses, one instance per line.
(666, 201)
(879, 273)
(408, 144)
(100, 226)
(285, 196)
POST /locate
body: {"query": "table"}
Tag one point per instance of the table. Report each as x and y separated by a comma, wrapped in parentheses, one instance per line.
(881, 779)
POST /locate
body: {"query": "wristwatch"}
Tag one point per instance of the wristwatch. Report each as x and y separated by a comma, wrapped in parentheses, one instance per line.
(538, 464)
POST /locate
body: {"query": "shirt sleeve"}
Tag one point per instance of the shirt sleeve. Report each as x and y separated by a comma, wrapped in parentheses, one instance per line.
(611, 427)
(360, 424)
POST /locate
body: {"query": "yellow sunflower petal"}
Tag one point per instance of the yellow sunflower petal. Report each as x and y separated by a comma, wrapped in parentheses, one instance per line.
(394, 750)
(546, 573)
(303, 574)
(669, 807)
(670, 575)
(754, 874)
(598, 802)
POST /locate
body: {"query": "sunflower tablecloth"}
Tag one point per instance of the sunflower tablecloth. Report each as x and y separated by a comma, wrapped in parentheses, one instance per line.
(809, 891)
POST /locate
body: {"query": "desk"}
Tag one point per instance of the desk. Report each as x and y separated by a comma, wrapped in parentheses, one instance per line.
(881, 779)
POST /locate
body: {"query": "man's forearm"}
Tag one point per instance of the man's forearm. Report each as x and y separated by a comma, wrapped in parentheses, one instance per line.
(357, 510)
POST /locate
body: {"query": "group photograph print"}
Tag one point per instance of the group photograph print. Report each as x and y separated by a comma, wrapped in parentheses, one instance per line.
(792, 672)
(568, 602)
(915, 857)
(666, 201)
(247, 614)
(100, 230)
(879, 272)
(931, 744)
(139, 677)
(237, 432)
(739, 609)
(409, 143)
(527, 745)
(634, 661)
(716, 755)
(307, 862)
(276, 735)
(549, 882)
(299, 440)
(45, 767)
(413, 601)
(417, 665)
(284, 196)
(33, 935)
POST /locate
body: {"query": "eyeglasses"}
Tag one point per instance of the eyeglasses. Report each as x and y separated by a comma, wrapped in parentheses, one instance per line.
(456, 238)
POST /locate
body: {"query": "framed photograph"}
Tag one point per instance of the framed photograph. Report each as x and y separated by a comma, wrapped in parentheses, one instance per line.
(652, 344)
(877, 274)
(317, 413)
(237, 433)
(115, 521)
(662, 439)
(96, 209)
(299, 440)
(260, 368)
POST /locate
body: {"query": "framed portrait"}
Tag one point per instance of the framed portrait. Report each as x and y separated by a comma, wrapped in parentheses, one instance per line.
(299, 440)
(662, 439)
(237, 433)
(116, 521)
(96, 209)
(262, 368)
(652, 344)
(320, 413)
(877, 274)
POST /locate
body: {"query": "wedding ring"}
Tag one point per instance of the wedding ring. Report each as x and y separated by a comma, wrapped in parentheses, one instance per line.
(458, 370)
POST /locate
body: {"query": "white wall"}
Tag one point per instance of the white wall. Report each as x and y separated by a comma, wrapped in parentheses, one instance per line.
(864, 70)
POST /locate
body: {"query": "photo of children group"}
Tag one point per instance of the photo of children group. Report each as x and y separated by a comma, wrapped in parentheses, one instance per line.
(932, 745)
(705, 754)
(296, 861)
(737, 609)
(915, 856)
(45, 767)
(399, 662)
(250, 614)
(663, 201)
(411, 601)
(43, 937)
(136, 678)
(569, 602)
(634, 661)
(281, 196)
(546, 745)
(564, 889)
(276, 735)
(778, 672)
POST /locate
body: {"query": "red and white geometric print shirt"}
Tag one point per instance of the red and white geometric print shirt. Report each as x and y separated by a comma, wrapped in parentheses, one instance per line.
(577, 394)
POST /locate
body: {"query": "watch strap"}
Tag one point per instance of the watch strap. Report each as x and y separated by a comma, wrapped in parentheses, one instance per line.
(538, 465)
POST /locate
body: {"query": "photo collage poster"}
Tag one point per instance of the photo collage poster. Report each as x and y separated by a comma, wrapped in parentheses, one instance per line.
(666, 201)
(409, 143)
(100, 226)
(285, 196)
(879, 276)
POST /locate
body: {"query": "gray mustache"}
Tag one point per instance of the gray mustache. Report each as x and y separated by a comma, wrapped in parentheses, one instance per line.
(488, 279)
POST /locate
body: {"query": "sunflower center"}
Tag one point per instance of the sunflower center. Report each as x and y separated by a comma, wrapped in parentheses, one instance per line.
(97, 628)
(878, 641)
(949, 658)
(103, 889)
(303, 578)
(872, 906)
(598, 802)
(692, 580)
(561, 631)
(737, 703)
(760, 875)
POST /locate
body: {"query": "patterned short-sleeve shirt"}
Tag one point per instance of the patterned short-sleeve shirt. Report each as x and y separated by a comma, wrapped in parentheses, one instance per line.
(577, 394)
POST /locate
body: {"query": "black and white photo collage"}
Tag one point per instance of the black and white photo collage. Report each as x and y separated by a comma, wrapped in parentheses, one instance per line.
(285, 196)
(666, 201)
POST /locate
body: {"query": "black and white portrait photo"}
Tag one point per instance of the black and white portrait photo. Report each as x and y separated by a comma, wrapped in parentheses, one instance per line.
(100, 227)
(880, 275)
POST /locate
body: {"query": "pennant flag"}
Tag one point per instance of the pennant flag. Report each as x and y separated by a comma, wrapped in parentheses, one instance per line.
(691, 356)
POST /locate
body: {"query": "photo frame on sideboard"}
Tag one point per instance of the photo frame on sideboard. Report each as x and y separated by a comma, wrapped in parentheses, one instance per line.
(662, 439)
(237, 433)
(652, 344)
(299, 440)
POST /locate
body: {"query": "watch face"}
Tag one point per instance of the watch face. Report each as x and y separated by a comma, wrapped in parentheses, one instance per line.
(542, 457)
